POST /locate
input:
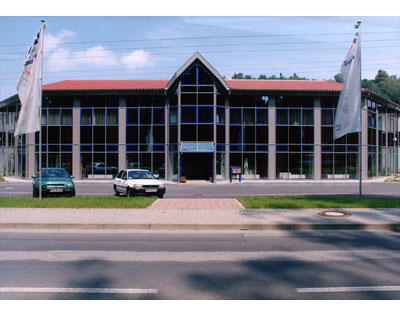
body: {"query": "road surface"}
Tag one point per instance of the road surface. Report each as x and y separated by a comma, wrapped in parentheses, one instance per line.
(212, 265)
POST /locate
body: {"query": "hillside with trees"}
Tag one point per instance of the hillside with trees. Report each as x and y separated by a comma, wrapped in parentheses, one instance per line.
(387, 86)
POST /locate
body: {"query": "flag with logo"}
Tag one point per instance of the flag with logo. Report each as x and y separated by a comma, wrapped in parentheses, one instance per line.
(29, 88)
(347, 119)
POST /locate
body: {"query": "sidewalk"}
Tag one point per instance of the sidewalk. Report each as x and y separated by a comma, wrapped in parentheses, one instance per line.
(154, 218)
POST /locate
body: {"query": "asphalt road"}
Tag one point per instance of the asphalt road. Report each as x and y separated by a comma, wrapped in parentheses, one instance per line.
(229, 265)
(207, 190)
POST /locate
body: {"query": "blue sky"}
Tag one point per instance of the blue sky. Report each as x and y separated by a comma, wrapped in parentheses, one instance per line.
(155, 47)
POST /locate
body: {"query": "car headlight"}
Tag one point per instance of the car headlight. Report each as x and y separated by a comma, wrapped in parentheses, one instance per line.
(69, 185)
(161, 185)
(137, 186)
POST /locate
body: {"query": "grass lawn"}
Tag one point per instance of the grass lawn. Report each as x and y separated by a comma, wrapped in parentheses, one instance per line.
(317, 202)
(78, 202)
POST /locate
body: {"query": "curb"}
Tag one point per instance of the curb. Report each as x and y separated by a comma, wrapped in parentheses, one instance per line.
(198, 227)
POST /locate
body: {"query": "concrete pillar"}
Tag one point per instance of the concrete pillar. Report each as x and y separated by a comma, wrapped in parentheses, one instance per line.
(76, 139)
(122, 133)
(364, 143)
(377, 144)
(7, 151)
(227, 141)
(214, 175)
(166, 139)
(317, 138)
(30, 155)
(179, 171)
(272, 139)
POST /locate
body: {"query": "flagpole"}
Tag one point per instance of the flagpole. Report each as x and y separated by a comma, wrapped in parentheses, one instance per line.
(40, 108)
(357, 26)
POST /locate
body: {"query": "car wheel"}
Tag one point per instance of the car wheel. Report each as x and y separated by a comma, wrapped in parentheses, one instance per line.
(72, 194)
(160, 196)
(130, 193)
(116, 193)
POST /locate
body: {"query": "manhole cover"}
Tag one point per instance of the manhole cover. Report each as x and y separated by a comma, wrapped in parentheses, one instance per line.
(334, 214)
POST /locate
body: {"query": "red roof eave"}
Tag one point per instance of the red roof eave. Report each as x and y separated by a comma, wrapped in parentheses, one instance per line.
(160, 84)
(81, 85)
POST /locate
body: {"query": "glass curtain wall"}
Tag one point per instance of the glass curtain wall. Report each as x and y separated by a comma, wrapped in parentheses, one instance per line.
(99, 136)
(372, 138)
(12, 159)
(248, 135)
(173, 137)
(294, 137)
(3, 141)
(197, 90)
(56, 134)
(388, 141)
(145, 133)
(339, 158)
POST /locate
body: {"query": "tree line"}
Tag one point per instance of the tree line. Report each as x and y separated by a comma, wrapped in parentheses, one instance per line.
(387, 86)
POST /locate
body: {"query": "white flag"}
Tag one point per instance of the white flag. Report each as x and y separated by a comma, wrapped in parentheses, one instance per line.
(29, 88)
(347, 119)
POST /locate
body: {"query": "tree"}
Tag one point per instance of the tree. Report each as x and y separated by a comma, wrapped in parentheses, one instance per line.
(381, 76)
(237, 75)
(383, 84)
(338, 78)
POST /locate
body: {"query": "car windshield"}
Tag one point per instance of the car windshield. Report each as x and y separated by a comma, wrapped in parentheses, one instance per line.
(140, 175)
(54, 173)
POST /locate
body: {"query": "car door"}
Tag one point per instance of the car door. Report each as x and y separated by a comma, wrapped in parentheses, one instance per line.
(124, 184)
(117, 181)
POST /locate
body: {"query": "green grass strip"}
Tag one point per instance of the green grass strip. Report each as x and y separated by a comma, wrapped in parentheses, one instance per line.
(78, 202)
(313, 201)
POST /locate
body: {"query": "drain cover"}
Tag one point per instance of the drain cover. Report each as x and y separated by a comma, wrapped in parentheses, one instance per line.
(334, 214)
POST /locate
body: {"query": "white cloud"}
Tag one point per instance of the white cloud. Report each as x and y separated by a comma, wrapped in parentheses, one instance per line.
(96, 56)
(137, 59)
(61, 57)
(53, 42)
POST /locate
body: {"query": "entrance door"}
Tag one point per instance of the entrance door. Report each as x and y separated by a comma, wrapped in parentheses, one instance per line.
(197, 166)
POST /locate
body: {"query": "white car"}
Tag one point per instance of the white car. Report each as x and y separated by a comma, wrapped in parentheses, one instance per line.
(133, 182)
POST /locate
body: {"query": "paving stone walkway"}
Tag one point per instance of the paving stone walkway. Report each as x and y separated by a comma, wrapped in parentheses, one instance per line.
(196, 204)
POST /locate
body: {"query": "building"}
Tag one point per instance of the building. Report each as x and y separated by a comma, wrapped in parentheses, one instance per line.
(197, 125)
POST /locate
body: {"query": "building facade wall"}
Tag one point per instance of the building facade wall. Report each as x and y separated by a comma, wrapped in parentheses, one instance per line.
(64, 145)
(199, 124)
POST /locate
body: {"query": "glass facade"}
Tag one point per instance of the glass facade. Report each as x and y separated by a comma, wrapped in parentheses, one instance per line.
(248, 135)
(294, 137)
(339, 158)
(99, 136)
(198, 128)
(12, 149)
(145, 133)
(56, 133)
(200, 121)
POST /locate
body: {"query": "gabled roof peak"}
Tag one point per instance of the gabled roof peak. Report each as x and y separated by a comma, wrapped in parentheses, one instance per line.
(196, 56)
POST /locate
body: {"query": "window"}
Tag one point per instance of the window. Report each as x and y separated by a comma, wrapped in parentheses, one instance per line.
(132, 116)
(99, 117)
(86, 117)
(66, 117)
(53, 117)
(112, 116)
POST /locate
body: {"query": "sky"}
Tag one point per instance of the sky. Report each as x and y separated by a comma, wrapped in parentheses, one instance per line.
(154, 47)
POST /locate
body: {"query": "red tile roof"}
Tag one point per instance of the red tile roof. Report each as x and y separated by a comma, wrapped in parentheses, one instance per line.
(310, 85)
(145, 84)
(159, 84)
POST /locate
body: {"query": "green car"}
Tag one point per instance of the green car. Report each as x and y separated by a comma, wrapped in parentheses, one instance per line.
(55, 181)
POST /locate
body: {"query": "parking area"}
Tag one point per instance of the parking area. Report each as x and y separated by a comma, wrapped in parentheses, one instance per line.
(203, 189)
